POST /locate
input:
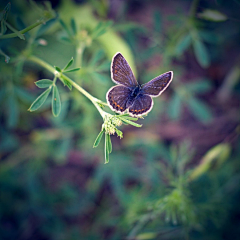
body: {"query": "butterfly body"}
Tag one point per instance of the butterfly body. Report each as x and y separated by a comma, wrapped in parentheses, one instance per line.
(128, 94)
(134, 94)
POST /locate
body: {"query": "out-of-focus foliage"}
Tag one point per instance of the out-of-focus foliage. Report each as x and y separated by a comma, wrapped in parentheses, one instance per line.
(176, 177)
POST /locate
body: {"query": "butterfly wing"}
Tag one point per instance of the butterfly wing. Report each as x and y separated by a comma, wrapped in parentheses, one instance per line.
(117, 98)
(157, 85)
(141, 105)
(121, 72)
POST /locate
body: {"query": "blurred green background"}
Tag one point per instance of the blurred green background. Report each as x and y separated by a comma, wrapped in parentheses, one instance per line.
(177, 177)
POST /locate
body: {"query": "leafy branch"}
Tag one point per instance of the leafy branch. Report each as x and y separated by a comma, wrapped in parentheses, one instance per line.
(46, 14)
(110, 122)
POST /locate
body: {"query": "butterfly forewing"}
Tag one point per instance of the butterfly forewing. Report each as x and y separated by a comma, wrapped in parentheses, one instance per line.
(121, 72)
(141, 105)
(157, 85)
(117, 98)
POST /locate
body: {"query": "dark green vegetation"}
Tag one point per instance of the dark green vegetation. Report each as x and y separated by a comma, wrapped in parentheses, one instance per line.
(175, 177)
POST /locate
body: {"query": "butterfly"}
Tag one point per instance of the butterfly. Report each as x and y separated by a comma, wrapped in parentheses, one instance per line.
(128, 95)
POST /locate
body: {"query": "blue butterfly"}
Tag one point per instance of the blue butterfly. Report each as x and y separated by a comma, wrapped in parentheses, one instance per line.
(129, 96)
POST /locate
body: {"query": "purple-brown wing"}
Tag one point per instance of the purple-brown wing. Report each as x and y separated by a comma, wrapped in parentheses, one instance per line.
(157, 85)
(121, 72)
(117, 98)
(141, 105)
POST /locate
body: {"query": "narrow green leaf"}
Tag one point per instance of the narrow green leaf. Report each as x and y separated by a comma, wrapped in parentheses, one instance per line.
(56, 102)
(106, 149)
(58, 69)
(44, 27)
(72, 70)
(73, 26)
(183, 44)
(66, 83)
(109, 143)
(44, 83)
(6, 11)
(119, 133)
(201, 53)
(212, 15)
(24, 95)
(65, 27)
(105, 66)
(128, 117)
(65, 40)
(209, 36)
(174, 108)
(3, 93)
(40, 100)
(200, 110)
(3, 27)
(100, 77)
(201, 86)
(101, 28)
(20, 35)
(98, 139)
(7, 58)
(157, 21)
(21, 25)
(13, 111)
(96, 57)
(68, 64)
(131, 123)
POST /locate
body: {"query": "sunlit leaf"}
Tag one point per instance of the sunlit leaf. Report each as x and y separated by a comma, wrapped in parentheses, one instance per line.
(56, 102)
(218, 153)
(212, 15)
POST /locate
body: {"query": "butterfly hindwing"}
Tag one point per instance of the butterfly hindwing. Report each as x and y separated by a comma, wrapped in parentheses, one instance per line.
(141, 105)
(121, 72)
(157, 85)
(117, 98)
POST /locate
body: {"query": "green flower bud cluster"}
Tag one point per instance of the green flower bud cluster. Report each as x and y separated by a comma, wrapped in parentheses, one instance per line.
(110, 124)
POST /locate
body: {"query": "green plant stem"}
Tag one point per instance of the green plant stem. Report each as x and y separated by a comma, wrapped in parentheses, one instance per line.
(193, 8)
(12, 35)
(94, 100)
